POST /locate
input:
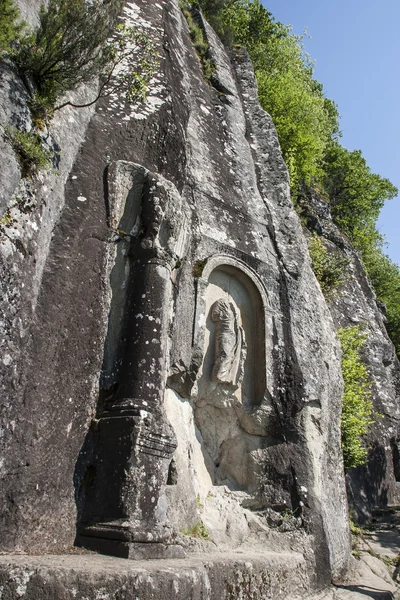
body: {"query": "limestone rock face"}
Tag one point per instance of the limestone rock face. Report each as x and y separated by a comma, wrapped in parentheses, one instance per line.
(376, 483)
(130, 411)
(30, 10)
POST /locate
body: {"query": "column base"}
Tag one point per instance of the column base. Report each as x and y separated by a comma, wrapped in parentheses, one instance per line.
(131, 550)
(124, 542)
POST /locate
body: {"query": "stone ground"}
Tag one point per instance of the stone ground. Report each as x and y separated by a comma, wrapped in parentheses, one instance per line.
(246, 575)
(369, 578)
(89, 575)
(375, 571)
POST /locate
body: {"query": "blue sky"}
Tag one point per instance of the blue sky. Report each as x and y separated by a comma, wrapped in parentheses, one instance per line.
(356, 46)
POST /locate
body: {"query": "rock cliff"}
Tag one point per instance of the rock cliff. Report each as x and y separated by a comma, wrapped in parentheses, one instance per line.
(171, 381)
(374, 484)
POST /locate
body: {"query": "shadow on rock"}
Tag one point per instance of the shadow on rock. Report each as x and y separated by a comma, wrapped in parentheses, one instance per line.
(388, 539)
(369, 592)
(366, 485)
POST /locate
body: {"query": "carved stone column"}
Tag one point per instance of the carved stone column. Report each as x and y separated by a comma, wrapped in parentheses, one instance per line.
(133, 439)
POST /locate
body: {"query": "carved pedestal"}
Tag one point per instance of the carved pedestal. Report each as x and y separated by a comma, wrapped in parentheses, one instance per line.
(133, 453)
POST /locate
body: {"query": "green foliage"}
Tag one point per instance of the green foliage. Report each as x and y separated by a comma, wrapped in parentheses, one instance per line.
(10, 26)
(241, 22)
(357, 405)
(300, 114)
(356, 195)
(389, 561)
(215, 12)
(72, 45)
(305, 120)
(198, 38)
(6, 220)
(385, 277)
(68, 48)
(28, 147)
(355, 529)
(308, 129)
(198, 530)
(330, 268)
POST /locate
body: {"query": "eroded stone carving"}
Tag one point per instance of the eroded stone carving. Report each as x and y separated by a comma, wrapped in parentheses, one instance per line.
(132, 442)
(230, 344)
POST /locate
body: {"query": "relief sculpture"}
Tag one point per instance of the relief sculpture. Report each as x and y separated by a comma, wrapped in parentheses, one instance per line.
(230, 344)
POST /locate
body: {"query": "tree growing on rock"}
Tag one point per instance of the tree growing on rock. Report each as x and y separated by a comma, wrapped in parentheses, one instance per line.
(75, 42)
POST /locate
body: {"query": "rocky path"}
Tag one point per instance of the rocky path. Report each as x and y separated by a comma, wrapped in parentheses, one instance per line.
(375, 569)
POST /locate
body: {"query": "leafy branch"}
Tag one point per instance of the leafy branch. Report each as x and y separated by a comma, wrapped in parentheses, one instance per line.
(75, 42)
(118, 76)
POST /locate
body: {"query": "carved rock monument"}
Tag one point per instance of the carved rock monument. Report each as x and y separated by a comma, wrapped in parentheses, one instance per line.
(172, 377)
(230, 345)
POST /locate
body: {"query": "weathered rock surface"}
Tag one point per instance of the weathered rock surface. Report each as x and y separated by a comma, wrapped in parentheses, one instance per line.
(368, 578)
(94, 577)
(215, 577)
(377, 482)
(110, 274)
(34, 211)
(30, 10)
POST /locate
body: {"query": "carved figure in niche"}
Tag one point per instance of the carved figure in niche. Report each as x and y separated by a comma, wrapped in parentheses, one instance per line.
(230, 344)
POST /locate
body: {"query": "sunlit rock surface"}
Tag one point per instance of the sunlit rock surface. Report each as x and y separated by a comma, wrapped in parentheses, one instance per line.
(119, 432)
(375, 484)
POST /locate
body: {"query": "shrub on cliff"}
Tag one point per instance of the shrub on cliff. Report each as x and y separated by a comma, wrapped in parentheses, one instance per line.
(357, 412)
(330, 268)
(31, 154)
(10, 26)
(356, 195)
(67, 49)
(75, 42)
(198, 38)
(72, 46)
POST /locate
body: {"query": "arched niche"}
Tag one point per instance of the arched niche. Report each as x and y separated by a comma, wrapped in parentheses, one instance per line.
(231, 281)
(227, 407)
